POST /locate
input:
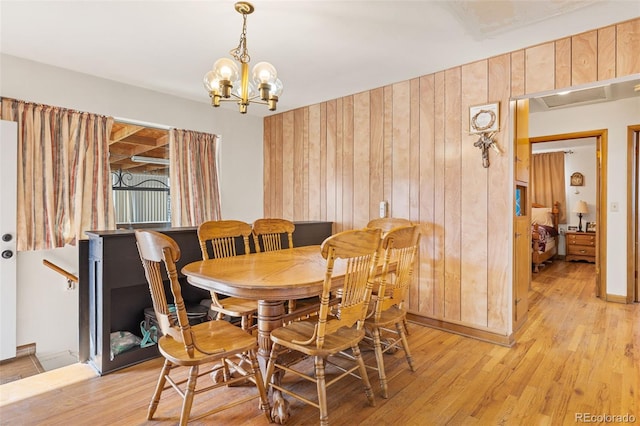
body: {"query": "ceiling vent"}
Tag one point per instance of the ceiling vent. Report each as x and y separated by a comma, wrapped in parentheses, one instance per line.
(578, 97)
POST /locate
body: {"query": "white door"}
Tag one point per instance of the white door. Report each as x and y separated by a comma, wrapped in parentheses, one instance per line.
(8, 186)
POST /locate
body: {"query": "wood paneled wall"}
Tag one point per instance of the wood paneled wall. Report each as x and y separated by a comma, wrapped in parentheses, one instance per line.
(408, 143)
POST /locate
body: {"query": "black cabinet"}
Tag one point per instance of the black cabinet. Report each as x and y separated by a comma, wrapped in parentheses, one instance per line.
(118, 292)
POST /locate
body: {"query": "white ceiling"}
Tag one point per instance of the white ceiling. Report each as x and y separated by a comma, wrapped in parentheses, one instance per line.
(321, 49)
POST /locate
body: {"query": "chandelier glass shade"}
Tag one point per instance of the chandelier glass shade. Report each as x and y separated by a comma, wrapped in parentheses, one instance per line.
(229, 80)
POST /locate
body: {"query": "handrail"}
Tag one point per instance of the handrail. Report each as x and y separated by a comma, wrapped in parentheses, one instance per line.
(68, 275)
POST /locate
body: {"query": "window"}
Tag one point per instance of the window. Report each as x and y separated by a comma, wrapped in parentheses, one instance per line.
(139, 158)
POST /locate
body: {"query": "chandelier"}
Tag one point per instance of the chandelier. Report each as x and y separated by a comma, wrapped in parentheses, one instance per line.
(227, 82)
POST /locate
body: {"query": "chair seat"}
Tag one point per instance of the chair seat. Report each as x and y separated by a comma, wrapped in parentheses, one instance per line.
(342, 339)
(393, 315)
(212, 336)
(235, 306)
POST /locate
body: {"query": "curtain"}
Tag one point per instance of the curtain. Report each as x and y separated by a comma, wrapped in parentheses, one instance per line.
(547, 181)
(193, 176)
(64, 180)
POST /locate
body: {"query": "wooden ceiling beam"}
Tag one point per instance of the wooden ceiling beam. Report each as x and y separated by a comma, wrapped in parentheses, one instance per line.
(144, 140)
(124, 132)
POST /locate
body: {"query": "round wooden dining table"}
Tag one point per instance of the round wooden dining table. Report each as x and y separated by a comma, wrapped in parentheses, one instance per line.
(270, 278)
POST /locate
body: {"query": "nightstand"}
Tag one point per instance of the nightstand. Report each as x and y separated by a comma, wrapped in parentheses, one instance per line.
(581, 246)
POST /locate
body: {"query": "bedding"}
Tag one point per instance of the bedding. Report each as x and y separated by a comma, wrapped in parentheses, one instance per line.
(542, 216)
(544, 234)
(546, 240)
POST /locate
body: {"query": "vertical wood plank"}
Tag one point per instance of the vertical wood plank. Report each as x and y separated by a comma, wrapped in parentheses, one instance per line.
(517, 73)
(324, 200)
(288, 163)
(413, 298)
(267, 184)
(401, 150)
(376, 171)
(414, 151)
(427, 179)
(361, 158)
(332, 161)
(606, 53)
(499, 211)
(305, 167)
(388, 145)
(539, 72)
(473, 259)
(627, 48)
(453, 212)
(339, 164)
(278, 202)
(563, 63)
(298, 169)
(584, 58)
(439, 193)
(347, 163)
(315, 179)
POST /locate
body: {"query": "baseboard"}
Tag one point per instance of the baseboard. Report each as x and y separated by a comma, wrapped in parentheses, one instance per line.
(26, 350)
(463, 330)
(616, 298)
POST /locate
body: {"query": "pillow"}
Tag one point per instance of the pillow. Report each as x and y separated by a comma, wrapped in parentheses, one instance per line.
(541, 216)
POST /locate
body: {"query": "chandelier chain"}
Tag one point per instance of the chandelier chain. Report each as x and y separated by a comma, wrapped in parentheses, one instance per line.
(241, 53)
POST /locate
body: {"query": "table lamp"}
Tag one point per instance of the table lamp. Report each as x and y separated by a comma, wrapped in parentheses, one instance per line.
(581, 208)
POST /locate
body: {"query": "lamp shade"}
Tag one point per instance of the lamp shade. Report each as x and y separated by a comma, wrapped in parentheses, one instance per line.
(581, 207)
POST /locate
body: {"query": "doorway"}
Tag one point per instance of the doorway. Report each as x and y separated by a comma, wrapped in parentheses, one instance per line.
(600, 139)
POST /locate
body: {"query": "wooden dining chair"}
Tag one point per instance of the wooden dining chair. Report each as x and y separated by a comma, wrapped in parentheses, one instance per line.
(400, 246)
(184, 345)
(355, 252)
(220, 236)
(268, 235)
(386, 224)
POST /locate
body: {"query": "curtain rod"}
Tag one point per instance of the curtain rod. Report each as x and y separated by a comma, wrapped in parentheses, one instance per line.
(37, 104)
(141, 123)
(570, 151)
(153, 125)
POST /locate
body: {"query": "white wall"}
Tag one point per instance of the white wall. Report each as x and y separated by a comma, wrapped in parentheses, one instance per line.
(614, 116)
(583, 160)
(47, 312)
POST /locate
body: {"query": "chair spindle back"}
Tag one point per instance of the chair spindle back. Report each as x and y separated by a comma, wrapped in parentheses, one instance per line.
(269, 232)
(359, 250)
(222, 234)
(400, 245)
(156, 248)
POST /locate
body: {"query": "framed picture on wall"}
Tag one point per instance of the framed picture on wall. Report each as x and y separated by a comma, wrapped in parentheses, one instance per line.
(484, 118)
(577, 179)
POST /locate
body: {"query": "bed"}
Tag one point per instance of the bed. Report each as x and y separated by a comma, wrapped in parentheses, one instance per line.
(544, 234)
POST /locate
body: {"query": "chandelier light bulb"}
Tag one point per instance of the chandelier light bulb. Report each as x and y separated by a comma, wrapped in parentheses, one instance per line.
(264, 72)
(237, 90)
(211, 83)
(276, 87)
(226, 69)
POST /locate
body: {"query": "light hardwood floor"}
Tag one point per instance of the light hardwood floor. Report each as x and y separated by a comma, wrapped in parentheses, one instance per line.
(575, 354)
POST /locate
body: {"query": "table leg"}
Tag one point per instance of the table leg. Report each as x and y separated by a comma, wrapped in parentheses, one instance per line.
(270, 315)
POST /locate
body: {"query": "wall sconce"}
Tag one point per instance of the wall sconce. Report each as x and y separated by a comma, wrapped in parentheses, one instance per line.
(485, 121)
